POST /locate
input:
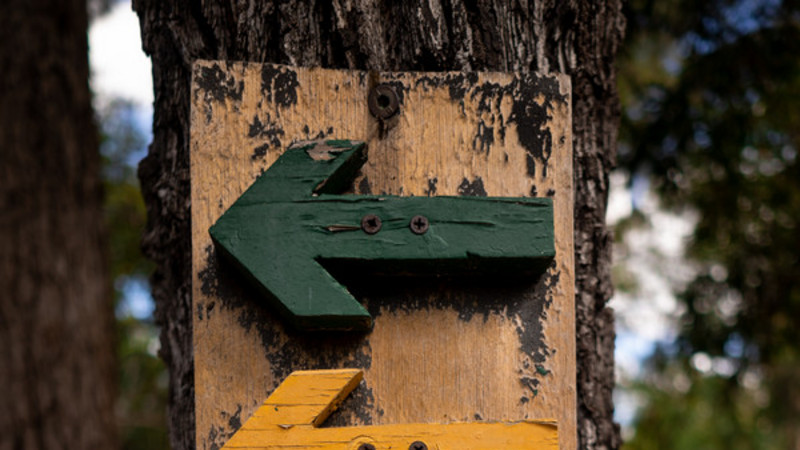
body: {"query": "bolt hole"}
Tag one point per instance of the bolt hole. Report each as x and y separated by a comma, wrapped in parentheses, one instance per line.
(384, 101)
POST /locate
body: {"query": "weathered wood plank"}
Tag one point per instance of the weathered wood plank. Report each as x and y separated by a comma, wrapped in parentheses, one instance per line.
(439, 351)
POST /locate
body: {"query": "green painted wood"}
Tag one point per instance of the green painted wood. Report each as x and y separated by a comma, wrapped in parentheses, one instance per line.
(290, 223)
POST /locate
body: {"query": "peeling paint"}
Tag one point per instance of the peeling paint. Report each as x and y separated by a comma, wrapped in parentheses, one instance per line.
(218, 85)
(363, 186)
(266, 129)
(472, 189)
(484, 138)
(279, 85)
(259, 152)
(531, 116)
(431, 191)
(286, 349)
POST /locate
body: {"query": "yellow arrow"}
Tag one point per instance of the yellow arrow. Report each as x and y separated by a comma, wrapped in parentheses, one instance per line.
(289, 417)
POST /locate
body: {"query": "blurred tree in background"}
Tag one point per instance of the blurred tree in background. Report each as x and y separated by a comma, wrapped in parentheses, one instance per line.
(141, 404)
(141, 376)
(711, 92)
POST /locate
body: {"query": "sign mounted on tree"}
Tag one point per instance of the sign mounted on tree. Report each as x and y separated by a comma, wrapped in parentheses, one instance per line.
(289, 223)
(289, 418)
(443, 148)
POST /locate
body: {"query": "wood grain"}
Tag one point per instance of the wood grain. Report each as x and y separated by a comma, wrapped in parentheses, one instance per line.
(443, 351)
(289, 418)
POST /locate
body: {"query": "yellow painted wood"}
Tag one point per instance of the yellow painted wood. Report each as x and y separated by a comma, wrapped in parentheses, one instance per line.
(435, 354)
(289, 417)
(308, 397)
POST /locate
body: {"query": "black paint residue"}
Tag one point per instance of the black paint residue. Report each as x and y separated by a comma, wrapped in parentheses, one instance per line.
(286, 348)
(399, 88)
(364, 187)
(476, 298)
(490, 96)
(264, 130)
(235, 421)
(457, 83)
(551, 192)
(321, 134)
(530, 165)
(431, 191)
(218, 435)
(218, 85)
(259, 152)
(354, 404)
(210, 308)
(531, 383)
(484, 138)
(474, 189)
(533, 191)
(279, 84)
(531, 117)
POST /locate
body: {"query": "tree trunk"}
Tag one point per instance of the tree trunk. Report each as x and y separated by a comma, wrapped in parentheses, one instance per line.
(57, 367)
(578, 38)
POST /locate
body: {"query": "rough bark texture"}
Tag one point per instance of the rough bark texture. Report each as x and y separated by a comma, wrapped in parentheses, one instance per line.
(578, 38)
(57, 367)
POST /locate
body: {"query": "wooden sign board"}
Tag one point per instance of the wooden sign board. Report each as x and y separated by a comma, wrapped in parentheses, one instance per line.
(441, 350)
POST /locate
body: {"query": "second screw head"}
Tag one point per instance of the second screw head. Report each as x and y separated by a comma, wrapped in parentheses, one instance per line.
(419, 224)
(371, 224)
(417, 445)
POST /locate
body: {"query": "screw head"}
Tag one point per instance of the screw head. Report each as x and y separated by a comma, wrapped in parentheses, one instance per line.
(419, 224)
(366, 447)
(417, 445)
(383, 101)
(371, 224)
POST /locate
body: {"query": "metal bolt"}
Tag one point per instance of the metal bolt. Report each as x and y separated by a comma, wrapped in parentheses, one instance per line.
(417, 445)
(419, 224)
(366, 447)
(383, 101)
(371, 224)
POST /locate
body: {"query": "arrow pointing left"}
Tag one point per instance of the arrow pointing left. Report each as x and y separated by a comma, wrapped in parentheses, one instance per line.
(290, 222)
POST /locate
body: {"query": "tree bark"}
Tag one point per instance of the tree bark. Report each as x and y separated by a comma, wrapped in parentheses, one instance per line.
(578, 38)
(57, 367)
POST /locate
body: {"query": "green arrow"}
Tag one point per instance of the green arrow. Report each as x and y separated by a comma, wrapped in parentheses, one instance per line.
(290, 221)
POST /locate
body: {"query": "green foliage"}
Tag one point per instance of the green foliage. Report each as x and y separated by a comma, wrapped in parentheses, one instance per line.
(711, 93)
(689, 409)
(141, 406)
